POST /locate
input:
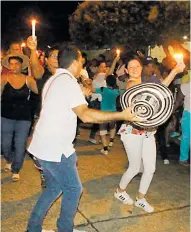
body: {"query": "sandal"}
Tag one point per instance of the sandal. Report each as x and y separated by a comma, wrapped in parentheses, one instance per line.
(7, 168)
(15, 177)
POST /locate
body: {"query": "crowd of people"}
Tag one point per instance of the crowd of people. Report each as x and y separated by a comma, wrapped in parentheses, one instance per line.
(46, 94)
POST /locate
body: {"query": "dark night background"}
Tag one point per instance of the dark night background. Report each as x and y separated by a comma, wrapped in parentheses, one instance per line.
(52, 20)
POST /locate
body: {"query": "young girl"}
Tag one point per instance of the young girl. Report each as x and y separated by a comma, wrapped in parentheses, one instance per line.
(139, 144)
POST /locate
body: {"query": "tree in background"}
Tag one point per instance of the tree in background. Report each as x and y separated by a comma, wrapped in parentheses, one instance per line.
(135, 25)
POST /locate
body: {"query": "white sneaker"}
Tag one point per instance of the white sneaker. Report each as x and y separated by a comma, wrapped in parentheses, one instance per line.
(92, 141)
(78, 230)
(111, 144)
(123, 197)
(104, 152)
(143, 204)
(166, 161)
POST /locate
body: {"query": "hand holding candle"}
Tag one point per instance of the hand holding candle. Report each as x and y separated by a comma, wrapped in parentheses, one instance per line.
(180, 66)
(33, 28)
(179, 58)
(23, 45)
(118, 52)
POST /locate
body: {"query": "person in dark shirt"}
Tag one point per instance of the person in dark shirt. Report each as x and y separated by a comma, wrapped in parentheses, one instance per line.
(15, 114)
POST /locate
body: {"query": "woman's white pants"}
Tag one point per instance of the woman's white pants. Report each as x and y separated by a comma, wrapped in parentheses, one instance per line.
(141, 150)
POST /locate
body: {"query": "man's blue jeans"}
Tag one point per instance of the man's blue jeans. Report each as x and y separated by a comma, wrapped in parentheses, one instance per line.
(185, 138)
(61, 177)
(20, 130)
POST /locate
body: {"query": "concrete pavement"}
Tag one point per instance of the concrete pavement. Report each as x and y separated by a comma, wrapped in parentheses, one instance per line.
(98, 210)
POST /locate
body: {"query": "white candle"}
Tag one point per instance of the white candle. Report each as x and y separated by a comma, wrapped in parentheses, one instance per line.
(179, 58)
(23, 45)
(33, 28)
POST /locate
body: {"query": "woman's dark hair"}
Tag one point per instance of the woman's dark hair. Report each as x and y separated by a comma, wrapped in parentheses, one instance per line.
(18, 58)
(67, 54)
(133, 57)
(111, 81)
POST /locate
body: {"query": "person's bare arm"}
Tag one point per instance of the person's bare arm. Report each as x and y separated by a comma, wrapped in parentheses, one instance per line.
(158, 74)
(32, 84)
(111, 69)
(88, 115)
(177, 69)
(3, 82)
(36, 68)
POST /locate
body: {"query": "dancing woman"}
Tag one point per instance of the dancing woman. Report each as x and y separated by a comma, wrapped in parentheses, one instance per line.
(140, 144)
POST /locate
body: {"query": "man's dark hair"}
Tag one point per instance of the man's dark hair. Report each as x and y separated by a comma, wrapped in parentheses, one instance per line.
(84, 55)
(18, 58)
(111, 81)
(48, 51)
(67, 54)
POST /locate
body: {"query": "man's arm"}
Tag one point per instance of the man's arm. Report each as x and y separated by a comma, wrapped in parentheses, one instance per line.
(177, 69)
(88, 115)
(36, 68)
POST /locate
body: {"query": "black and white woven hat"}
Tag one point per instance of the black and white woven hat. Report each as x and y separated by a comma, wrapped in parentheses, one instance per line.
(154, 101)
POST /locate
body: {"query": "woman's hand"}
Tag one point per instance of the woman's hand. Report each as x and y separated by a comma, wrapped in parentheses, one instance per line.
(31, 43)
(117, 58)
(179, 68)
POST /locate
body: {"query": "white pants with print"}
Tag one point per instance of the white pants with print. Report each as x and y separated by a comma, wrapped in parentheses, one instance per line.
(140, 150)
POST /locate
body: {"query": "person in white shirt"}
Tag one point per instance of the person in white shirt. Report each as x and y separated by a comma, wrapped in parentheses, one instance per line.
(98, 82)
(62, 102)
(139, 144)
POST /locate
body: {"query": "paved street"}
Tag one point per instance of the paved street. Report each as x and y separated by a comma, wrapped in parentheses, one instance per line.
(98, 210)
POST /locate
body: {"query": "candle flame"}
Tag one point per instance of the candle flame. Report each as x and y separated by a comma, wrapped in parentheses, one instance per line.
(118, 51)
(178, 57)
(34, 21)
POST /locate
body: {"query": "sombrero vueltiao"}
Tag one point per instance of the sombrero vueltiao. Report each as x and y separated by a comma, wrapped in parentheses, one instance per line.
(25, 59)
(154, 101)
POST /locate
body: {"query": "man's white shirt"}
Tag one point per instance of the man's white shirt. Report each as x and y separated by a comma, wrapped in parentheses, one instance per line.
(56, 127)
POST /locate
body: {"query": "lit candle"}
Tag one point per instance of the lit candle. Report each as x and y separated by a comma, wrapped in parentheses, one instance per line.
(179, 58)
(118, 52)
(23, 45)
(33, 28)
